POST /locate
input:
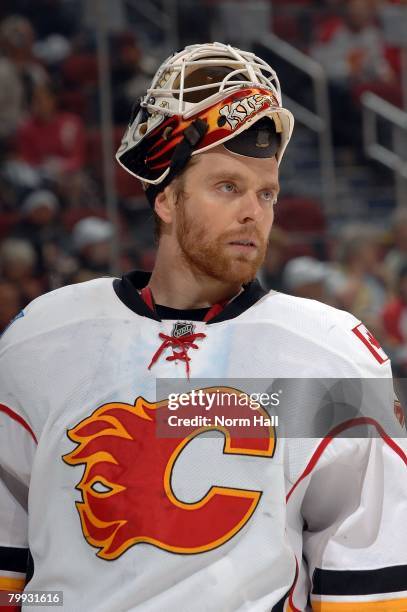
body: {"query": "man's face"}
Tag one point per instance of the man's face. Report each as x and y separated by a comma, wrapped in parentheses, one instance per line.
(224, 214)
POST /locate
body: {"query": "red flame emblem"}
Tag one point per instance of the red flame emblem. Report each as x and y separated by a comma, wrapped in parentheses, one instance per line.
(127, 497)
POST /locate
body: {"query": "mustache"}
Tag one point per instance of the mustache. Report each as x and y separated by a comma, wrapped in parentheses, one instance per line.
(253, 235)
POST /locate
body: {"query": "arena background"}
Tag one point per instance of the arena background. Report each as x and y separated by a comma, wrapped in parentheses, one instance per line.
(70, 71)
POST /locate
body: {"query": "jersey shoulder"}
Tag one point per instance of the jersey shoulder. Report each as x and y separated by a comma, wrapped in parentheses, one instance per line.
(334, 329)
(61, 307)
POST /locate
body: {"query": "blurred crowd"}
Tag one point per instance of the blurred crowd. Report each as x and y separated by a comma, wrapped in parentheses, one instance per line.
(358, 55)
(358, 43)
(363, 270)
(53, 224)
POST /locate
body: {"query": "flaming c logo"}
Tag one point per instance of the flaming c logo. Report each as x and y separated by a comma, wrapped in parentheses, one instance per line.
(127, 496)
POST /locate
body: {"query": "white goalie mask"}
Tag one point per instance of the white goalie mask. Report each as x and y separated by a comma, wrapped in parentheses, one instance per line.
(204, 96)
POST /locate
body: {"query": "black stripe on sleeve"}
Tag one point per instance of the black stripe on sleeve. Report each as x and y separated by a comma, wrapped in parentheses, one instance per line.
(30, 567)
(13, 559)
(279, 606)
(360, 582)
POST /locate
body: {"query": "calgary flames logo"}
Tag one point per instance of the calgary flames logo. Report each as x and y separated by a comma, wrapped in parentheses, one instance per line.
(127, 495)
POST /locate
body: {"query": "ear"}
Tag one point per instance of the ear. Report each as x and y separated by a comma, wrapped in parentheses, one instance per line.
(164, 205)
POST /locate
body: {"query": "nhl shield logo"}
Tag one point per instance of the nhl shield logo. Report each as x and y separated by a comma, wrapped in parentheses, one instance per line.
(182, 328)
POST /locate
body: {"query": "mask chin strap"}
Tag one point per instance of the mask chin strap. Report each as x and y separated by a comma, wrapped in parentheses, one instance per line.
(193, 135)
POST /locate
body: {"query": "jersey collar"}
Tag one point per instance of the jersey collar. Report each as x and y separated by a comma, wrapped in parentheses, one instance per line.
(127, 290)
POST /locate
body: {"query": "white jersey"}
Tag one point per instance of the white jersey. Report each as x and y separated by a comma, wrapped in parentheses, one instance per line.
(199, 516)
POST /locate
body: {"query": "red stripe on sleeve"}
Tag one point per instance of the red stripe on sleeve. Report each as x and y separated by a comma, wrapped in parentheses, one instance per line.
(290, 599)
(16, 417)
(336, 431)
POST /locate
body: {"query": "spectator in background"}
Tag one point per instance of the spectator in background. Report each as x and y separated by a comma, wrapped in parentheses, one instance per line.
(271, 274)
(306, 277)
(17, 178)
(19, 72)
(396, 258)
(91, 239)
(53, 142)
(352, 51)
(394, 318)
(357, 284)
(39, 226)
(17, 265)
(128, 80)
(50, 138)
(352, 48)
(10, 303)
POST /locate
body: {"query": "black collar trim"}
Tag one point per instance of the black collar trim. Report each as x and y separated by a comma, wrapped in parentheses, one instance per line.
(193, 314)
(127, 290)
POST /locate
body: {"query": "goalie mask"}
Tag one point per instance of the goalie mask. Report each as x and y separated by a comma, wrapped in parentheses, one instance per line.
(202, 97)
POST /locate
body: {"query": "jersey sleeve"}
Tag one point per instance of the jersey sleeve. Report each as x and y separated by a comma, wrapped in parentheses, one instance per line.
(355, 537)
(352, 498)
(17, 449)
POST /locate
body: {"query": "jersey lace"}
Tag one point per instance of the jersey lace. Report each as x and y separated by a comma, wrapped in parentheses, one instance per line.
(183, 343)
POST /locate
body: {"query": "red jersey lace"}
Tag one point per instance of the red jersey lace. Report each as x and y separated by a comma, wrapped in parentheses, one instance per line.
(184, 343)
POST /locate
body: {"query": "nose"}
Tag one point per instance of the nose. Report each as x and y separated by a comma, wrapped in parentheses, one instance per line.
(250, 207)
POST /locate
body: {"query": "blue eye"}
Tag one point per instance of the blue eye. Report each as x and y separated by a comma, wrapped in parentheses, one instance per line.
(269, 197)
(227, 187)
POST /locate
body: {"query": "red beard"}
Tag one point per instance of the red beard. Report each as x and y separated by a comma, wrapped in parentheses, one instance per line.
(215, 258)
